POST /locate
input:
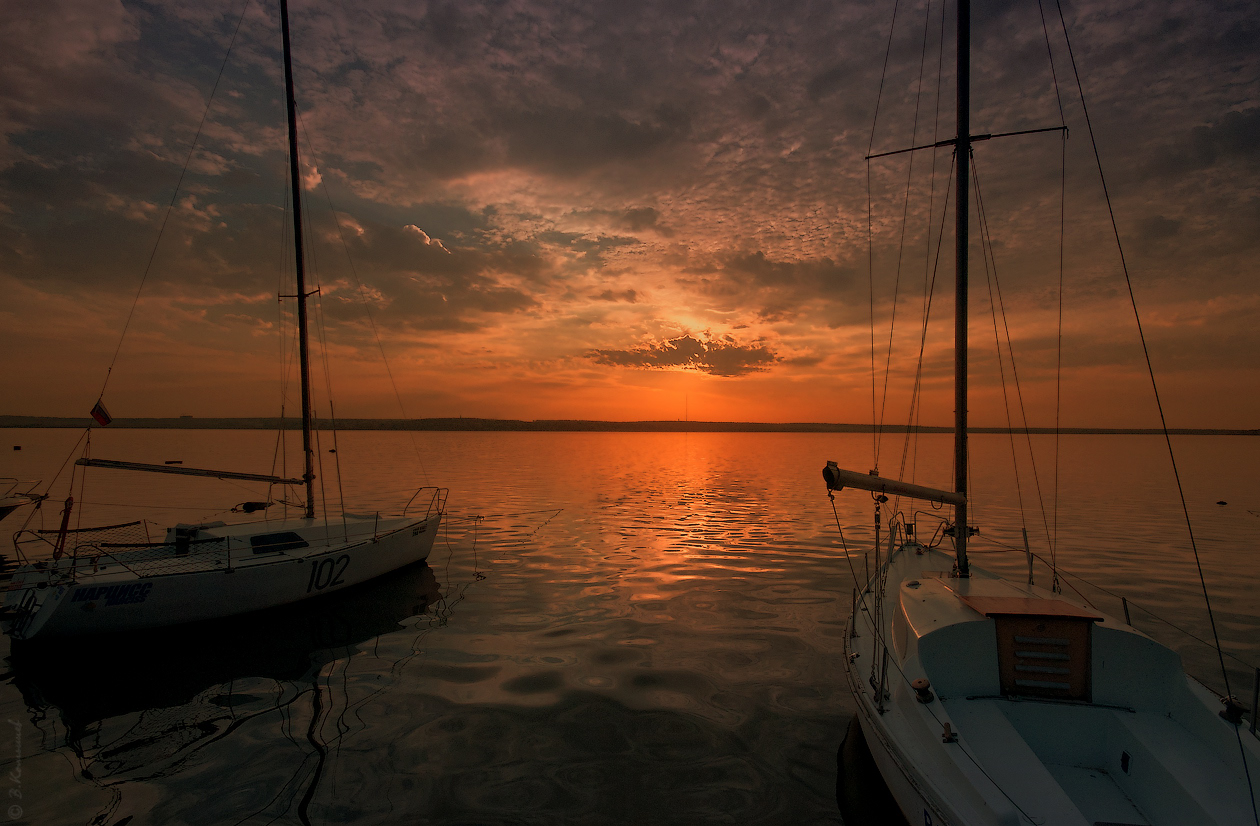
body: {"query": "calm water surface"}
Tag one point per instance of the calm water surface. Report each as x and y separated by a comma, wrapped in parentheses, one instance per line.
(612, 628)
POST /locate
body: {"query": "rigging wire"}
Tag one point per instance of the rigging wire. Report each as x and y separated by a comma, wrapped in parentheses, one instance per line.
(322, 335)
(990, 274)
(996, 306)
(1003, 548)
(87, 452)
(878, 640)
(1006, 548)
(901, 245)
(171, 206)
(1124, 266)
(870, 243)
(986, 238)
(929, 266)
(916, 391)
(1185, 510)
(313, 267)
(367, 310)
(280, 453)
(1058, 364)
(38, 509)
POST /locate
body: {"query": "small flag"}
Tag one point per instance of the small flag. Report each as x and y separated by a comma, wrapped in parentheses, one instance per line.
(101, 414)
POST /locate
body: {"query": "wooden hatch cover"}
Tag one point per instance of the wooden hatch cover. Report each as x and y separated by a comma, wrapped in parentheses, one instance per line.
(1043, 645)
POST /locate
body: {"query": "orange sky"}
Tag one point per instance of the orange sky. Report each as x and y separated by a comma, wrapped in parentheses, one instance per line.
(608, 212)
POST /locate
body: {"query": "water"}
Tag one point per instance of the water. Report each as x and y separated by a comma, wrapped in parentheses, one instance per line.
(612, 628)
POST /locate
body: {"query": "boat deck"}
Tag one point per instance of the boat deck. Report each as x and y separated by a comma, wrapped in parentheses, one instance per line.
(1084, 720)
(93, 558)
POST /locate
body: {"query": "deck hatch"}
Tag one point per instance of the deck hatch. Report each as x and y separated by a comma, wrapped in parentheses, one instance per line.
(269, 543)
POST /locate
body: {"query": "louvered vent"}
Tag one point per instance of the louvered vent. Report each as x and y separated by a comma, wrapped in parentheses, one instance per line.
(1044, 656)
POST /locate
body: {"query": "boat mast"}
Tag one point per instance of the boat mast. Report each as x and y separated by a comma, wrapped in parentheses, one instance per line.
(295, 179)
(961, 530)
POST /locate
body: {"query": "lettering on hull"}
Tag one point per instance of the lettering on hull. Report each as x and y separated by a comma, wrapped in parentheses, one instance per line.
(129, 593)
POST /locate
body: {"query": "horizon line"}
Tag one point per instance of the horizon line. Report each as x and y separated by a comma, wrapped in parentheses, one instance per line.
(462, 423)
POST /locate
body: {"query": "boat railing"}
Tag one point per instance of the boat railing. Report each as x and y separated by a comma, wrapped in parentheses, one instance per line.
(436, 500)
(27, 536)
(1255, 702)
(90, 553)
(24, 613)
(77, 540)
(162, 557)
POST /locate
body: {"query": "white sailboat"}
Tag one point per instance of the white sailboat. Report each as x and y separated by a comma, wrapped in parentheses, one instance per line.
(120, 578)
(986, 701)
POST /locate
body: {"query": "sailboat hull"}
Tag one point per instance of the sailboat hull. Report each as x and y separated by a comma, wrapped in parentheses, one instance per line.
(897, 772)
(1142, 744)
(118, 594)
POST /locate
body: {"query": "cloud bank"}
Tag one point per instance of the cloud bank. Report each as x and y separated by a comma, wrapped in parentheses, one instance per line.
(716, 357)
(522, 201)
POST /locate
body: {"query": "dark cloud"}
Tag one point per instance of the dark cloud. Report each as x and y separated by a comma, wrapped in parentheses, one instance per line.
(629, 296)
(1241, 37)
(574, 141)
(775, 290)
(422, 283)
(633, 219)
(585, 253)
(640, 219)
(718, 357)
(584, 243)
(1236, 136)
(757, 106)
(1157, 228)
(816, 277)
(827, 82)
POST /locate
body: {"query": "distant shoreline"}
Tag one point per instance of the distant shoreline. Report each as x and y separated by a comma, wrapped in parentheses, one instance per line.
(577, 426)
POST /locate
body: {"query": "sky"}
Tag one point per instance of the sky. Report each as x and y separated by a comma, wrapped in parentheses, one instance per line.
(628, 211)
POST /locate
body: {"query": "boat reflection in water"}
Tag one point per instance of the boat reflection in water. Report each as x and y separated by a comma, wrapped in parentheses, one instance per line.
(138, 705)
(861, 793)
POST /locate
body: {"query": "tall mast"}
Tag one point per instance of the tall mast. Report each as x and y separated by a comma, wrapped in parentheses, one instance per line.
(295, 179)
(960, 289)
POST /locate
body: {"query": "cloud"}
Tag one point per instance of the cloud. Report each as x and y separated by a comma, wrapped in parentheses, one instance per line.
(827, 82)
(1157, 228)
(424, 237)
(425, 286)
(640, 219)
(524, 187)
(1234, 137)
(717, 357)
(571, 142)
(633, 219)
(773, 290)
(311, 177)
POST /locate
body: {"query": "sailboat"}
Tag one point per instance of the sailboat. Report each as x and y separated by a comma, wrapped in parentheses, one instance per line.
(17, 493)
(988, 701)
(119, 578)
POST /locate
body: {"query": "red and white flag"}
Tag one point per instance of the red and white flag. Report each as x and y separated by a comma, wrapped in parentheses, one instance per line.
(101, 414)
